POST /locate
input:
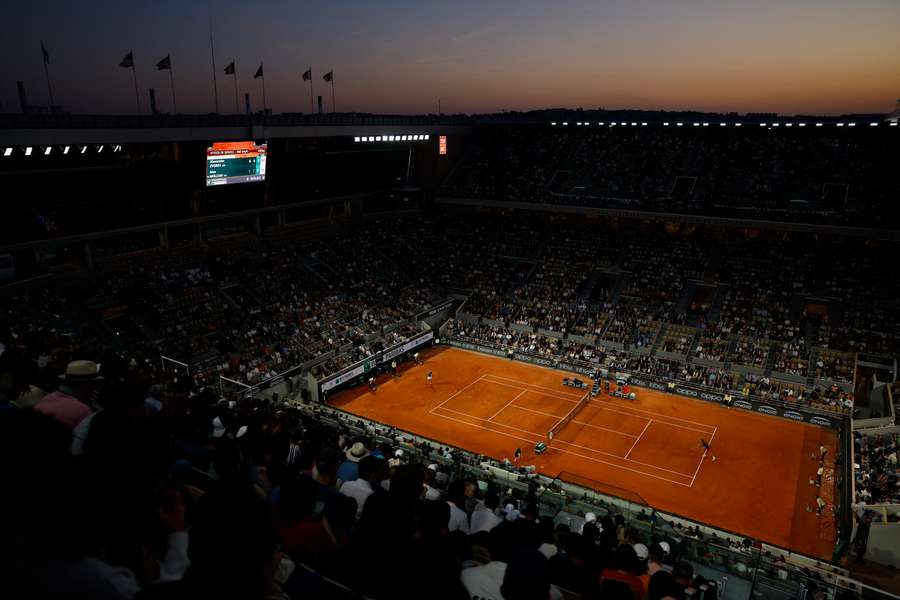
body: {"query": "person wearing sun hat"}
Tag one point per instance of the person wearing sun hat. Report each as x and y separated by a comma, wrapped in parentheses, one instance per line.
(349, 469)
(76, 384)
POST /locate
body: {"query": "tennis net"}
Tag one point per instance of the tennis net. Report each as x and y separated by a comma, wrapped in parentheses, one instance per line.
(569, 416)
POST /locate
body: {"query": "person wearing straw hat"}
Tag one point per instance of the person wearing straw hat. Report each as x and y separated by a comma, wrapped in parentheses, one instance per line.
(349, 469)
(68, 404)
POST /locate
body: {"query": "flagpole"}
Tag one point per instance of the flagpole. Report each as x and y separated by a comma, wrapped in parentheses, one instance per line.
(137, 95)
(212, 56)
(234, 75)
(172, 82)
(264, 91)
(47, 75)
(333, 108)
(312, 110)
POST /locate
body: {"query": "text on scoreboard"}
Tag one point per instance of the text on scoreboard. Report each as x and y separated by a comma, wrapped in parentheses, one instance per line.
(235, 162)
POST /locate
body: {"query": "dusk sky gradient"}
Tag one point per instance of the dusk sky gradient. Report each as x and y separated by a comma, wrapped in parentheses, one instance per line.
(398, 56)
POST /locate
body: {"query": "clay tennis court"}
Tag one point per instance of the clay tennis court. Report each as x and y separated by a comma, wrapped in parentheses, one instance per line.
(758, 485)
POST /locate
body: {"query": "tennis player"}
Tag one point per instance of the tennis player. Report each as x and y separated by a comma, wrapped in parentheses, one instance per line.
(707, 449)
(429, 377)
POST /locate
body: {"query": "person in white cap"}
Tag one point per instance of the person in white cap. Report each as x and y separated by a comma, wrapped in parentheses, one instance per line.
(589, 517)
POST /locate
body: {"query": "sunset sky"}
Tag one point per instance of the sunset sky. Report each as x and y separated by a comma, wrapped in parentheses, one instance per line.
(398, 56)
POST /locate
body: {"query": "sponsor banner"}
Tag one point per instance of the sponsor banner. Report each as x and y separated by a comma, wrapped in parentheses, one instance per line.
(344, 377)
(687, 392)
(712, 397)
(743, 404)
(433, 311)
(406, 347)
(821, 421)
(534, 360)
(767, 410)
(793, 414)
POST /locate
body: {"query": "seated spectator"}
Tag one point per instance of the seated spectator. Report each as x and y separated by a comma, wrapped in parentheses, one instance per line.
(349, 469)
(70, 404)
(369, 478)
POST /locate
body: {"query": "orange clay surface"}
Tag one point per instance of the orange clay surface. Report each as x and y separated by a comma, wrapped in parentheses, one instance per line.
(758, 486)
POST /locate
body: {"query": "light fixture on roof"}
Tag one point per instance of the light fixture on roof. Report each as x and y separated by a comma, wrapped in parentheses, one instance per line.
(117, 148)
(100, 148)
(840, 124)
(706, 124)
(873, 124)
(48, 150)
(851, 124)
(665, 123)
(66, 150)
(83, 149)
(818, 124)
(427, 136)
(737, 124)
(722, 124)
(553, 123)
(643, 123)
(7, 152)
(601, 123)
(893, 123)
(679, 123)
(801, 124)
(28, 150)
(565, 123)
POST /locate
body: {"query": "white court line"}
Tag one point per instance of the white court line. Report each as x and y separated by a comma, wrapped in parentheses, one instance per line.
(520, 387)
(561, 441)
(597, 460)
(519, 395)
(702, 457)
(638, 438)
(658, 417)
(464, 414)
(457, 393)
(546, 414)
(601, 403)
(541, 387)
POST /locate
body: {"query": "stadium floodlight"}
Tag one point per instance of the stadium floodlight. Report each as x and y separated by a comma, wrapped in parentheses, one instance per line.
(873, 124)
(601, 123)
(47, 150)
(788, 124)
(624, 123)
(851, 124)
(706, 124)
(565, 123)
(643, 123)
(696, 124)
(427, 136)
(893, 123)
(117, 148)
(66, 150)
(100, 149)
(679, 123)
(83, 149)
(762, 124)
(818, 124)
(738, 124)
(356, 139)
(28, 150)
(8, 152)
(776, 124)
(722, 124)
(840, 124)
(634, 124)
(801, 124)
(553, 122)
(665, 123)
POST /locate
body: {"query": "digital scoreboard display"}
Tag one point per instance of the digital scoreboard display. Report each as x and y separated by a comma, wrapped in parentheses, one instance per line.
(235, 162)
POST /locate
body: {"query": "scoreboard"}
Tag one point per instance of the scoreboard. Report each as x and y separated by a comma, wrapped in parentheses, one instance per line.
(235, 162)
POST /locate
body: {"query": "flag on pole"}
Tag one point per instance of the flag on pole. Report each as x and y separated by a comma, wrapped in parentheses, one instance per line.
(128, 61)
(259, 72)
(307, 75)
(229, 70)
(165, 64)
(329, 76)
(46, 54)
